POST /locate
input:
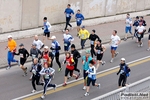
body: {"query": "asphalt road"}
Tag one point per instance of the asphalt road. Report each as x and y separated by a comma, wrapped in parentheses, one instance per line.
(13, 85)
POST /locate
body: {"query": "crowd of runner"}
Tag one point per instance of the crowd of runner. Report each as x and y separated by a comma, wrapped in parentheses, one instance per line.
(42, 71)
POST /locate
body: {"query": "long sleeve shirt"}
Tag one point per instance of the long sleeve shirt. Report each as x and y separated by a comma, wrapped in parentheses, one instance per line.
(55, 47)
(23, 53)
(84, 34)
(68, 12)
(47, 27)
(79, 18)
(92, 72)
(68, 38)
(47, 72)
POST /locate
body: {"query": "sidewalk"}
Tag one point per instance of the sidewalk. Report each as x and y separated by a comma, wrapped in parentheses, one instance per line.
(104, 31)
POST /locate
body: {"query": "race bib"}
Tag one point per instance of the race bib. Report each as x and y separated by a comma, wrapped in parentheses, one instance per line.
(92, 42)
(82, 35)
(78, 19)
(44, 60)
(65, 44)
(21, 55)
(67, 15)
(138, 35)
(46, 76)
(34, 71)
(122, 71)
(53, 52)
(99, 51)
(33, 56)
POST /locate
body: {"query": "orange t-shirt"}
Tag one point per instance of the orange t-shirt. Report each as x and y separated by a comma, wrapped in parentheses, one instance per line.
(12, 45)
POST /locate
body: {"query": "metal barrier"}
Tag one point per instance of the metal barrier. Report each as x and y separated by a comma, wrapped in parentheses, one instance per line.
(139, 86)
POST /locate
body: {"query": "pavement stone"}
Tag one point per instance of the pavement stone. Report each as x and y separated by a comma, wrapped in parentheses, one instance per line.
(104, 31)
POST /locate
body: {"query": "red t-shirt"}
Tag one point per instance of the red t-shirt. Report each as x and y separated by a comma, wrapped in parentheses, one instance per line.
(69, 62)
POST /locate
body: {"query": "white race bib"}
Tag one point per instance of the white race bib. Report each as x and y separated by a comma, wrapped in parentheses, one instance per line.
(33, 56)
(92, 42)
(65, 44)
(44, 60)
(82, 35)
(99, 51)
(67, 15)
(34, 71)
(21, 55)
(78, 19)
(46, 76)
(139, 35)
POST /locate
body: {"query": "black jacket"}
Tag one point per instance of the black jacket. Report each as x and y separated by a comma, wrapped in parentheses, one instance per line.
(76, 54)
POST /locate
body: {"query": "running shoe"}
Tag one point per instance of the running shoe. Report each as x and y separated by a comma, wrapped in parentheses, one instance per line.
(55, 87)
(125, 39)
(8, 67)
(77, 76)
(111, 60)
(84, 87)
(99, 86)
(116, 54)
(141, 44)
(63, 31)
(86, 94)
(148, 49)
(103, 63)
(33, 91)
(43, 96)
(64, 84)
(59, 69)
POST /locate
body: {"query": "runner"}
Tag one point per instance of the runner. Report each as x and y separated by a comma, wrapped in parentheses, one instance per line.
(136, 24)
(47, 73)
(11, 46)
(93, 38)
(46, 28)
(140, 30)
(115, 41)
(76, 56)
(68, 12)
(84, 35)
(55, 50)
(85, 61)
(47, 57)
(79, 17)
(39, 44)
(91, 77)
(100, 49)
(69, 67)
(128, 28)
(23, 57)
(143, 23)
(35, 75)
(148, 40)
(67, 40)
(124, 72)
(34, 52)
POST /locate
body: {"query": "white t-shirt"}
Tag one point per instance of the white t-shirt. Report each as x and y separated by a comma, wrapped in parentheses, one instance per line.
(140, 29)
(114, 40)
(38, 43)
(128, 22)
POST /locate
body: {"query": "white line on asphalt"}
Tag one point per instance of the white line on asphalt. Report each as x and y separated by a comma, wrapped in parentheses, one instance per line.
(25, 96)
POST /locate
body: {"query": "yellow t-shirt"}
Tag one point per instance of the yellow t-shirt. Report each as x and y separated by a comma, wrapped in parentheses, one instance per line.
(12, 45)
(84, 34)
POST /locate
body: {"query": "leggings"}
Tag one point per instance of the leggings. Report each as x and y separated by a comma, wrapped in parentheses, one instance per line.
(122, 79)
(10, 58)
(37, 79)
(75, 66)
(92, 51)
(68, 22)
(47, 84)
(57, 59)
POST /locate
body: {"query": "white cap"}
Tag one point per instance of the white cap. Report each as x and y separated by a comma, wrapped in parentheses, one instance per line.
(9, 36)
(45, 47)
(123, 59)
(53, 37)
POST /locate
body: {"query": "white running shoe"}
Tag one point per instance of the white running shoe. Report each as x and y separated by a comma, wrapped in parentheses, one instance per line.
(111, 60)
(55, 87)
(99, 86)
(84, 87)
(33, 91)
(86, 94)
(43, 96)
(148, 49)
(8, 67)
(103, 63)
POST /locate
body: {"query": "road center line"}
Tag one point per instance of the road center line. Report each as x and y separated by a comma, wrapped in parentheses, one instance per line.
(33, 96)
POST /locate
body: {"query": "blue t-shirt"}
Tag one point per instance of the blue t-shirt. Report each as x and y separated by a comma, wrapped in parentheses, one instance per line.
(68, 12)
(79, 18)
